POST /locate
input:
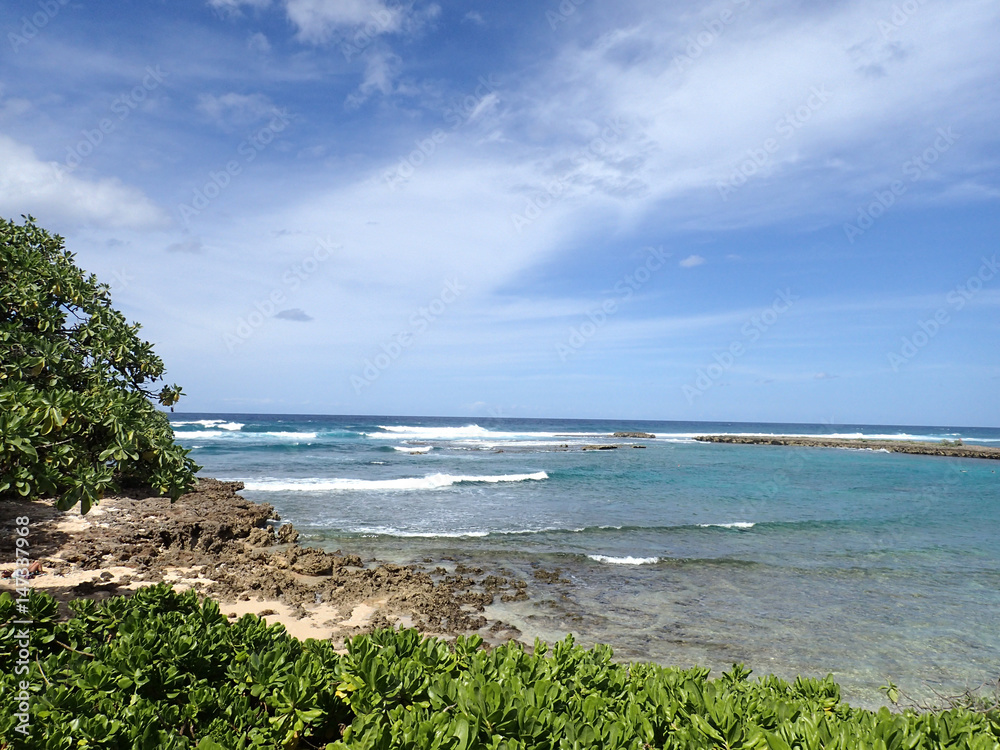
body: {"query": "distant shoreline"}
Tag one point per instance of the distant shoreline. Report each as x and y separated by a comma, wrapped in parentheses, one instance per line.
(892, 446)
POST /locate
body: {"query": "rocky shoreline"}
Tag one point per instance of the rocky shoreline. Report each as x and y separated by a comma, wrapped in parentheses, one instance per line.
(892, 446)
(234, 550)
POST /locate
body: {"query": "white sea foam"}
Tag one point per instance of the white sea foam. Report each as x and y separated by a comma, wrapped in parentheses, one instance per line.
(412, 448)
(233, 433)
(392, 531)
(389, 531)
(201, 434)
(218, 424)
(430, 482)
(468, 433)
(734, 525)
(624, 560)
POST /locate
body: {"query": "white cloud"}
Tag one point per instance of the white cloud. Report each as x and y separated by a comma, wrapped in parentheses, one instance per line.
(474, 17)
(233, 110)
(487, 104)
(691, 261)
(381, 70)
(259, 43)
(318, 20)
(52, 193)
(695, 114)
(234, 6)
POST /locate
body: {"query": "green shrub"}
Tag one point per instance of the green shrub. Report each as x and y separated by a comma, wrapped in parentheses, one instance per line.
(163, 670)
(75, 383)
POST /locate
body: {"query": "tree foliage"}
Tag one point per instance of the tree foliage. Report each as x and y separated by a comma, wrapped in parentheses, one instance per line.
(76, 380)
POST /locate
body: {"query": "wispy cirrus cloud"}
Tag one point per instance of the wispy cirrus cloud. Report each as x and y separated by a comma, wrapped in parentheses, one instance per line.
(236, 110)
(320, 21)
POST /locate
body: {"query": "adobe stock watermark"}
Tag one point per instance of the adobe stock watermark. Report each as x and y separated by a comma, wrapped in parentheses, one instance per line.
(31, 26)
(269, 306)
(914, 168)
(457, 115)
(751, 332)
(381, 22)
(562, 13)
(623, 290)
(900, 16)
(221, 178)
(698, 43)
(20, 634)
(786, 127)
(957, 298)
(419, 321)
(122, 279)
(556, 189)
(121, 106)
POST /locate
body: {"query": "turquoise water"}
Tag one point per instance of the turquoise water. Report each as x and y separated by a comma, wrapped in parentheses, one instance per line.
(865, 564)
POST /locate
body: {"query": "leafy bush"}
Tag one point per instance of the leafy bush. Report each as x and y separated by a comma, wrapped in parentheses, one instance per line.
(161, 670)
(75, 383)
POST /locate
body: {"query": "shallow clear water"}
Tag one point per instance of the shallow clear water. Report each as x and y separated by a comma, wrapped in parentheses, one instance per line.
(866, 564)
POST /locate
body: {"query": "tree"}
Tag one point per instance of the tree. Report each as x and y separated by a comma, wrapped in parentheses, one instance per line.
(76, 420)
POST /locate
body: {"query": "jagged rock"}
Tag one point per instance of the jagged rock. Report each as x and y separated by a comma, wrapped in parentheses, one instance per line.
(231, 540)
(552, 576)
(313, 563)
(287, 534)
(261, 537)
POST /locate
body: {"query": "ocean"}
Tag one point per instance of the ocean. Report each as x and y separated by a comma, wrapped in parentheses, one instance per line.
(864, 564)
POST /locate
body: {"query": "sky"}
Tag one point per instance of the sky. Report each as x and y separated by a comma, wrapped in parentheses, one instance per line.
(743, 210)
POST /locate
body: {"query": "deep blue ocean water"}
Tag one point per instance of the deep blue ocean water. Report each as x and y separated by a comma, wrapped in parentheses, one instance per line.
(865, 564)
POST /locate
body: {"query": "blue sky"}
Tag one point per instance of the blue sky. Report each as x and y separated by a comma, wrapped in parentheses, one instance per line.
(732, 210)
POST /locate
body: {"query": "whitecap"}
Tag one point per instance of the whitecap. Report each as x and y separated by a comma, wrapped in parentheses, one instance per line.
(201, 434)
(233, 434)
(624, 560)
(429, 482)
(218, 424)
(412, 448)
(733, 525)
(467, 433)
(390, 531)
